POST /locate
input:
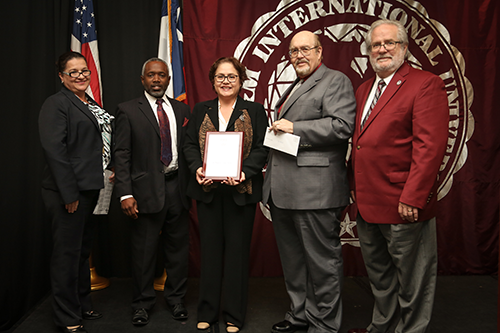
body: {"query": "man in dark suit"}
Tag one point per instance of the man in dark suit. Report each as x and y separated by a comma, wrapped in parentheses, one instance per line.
(398, 146)
(151, 178)
(307, 193)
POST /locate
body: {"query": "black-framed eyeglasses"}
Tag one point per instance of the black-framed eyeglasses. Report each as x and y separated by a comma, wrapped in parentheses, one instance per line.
(221, 77)
(75, 74)
(293, 53)
(389, 46)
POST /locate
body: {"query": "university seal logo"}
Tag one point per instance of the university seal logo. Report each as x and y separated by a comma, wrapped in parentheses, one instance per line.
(342, 26)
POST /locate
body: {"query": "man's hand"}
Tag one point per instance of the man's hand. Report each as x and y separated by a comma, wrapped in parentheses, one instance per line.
(129, 207)
(407, 213)
(72, 207)
(282, 125)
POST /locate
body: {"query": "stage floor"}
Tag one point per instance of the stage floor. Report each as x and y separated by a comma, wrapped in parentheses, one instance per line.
(463, 304)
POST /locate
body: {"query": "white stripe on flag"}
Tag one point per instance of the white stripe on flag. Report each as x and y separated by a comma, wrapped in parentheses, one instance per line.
(165, 51)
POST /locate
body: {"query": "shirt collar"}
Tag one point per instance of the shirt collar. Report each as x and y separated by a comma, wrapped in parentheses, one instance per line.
(387, 80)
(152, 99)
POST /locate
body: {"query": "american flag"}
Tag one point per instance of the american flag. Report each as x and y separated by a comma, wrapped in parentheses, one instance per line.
(84, 40)
(170, 48)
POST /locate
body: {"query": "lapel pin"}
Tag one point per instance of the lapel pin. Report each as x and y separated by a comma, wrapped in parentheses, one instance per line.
(398, 83)
(242, 118)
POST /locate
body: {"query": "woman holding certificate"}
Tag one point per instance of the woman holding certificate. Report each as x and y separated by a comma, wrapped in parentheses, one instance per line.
(226, 205)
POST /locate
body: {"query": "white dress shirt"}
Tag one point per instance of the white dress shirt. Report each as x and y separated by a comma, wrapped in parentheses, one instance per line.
(167, 107)
(371, 96)
(173, 129)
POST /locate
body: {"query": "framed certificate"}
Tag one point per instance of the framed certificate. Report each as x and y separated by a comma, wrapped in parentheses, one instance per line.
(223, 155)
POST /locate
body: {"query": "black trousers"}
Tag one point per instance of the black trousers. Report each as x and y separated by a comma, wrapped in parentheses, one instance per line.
(69, 268)
(171, 227)
(225, 236)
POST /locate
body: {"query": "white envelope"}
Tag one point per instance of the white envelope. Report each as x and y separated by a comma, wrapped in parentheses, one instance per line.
(285, 142)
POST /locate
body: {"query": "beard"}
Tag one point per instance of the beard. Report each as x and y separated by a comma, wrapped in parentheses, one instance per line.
(396, 61)
(157, 94)
(304, 71)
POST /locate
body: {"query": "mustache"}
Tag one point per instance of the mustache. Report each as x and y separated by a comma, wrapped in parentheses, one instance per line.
(302, 61)
(384, 56)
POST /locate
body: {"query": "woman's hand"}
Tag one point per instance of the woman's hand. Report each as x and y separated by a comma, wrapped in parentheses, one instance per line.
(232, 182)
(72, 207)
(112, 177)
(200, 177)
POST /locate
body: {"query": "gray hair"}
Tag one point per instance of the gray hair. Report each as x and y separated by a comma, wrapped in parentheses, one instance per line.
(402, 35)
(151, 60)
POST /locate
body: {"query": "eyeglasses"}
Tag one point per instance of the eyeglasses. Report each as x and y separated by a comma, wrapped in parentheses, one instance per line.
(75, 74)
(293, 53)
(389, 46)
(221, 77)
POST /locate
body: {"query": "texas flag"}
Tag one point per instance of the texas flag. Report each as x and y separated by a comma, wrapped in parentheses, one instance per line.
(170, 48)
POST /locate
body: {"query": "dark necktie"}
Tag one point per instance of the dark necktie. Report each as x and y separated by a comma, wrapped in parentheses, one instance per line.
(297, 86)
(166, 139)
(381, 85)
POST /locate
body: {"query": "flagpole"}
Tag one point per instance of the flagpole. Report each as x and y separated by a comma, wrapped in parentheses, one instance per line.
(84, 40)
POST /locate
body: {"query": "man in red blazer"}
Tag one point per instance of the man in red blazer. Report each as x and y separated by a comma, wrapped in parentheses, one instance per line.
(398, 146)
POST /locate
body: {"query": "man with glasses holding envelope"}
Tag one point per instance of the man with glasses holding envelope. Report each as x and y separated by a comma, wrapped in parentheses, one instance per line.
(307, 192)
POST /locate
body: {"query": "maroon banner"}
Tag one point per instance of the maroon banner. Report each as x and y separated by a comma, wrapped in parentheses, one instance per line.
(457, 42)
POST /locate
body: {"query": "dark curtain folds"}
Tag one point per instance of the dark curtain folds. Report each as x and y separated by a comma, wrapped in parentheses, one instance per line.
(35, 34)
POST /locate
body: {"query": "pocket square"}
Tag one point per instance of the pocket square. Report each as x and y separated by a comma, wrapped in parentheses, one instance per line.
(186, 121)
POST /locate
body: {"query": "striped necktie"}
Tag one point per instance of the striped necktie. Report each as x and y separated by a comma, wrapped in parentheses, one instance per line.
(381, 85)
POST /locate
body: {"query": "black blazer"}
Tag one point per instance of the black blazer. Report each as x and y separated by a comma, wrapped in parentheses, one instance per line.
(252, 165)
(72, 144)
(137, 150)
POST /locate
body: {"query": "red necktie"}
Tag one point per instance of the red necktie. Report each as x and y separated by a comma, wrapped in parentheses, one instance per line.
(166, 139)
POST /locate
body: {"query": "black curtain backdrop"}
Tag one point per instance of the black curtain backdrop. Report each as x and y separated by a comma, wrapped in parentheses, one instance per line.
(35, 33)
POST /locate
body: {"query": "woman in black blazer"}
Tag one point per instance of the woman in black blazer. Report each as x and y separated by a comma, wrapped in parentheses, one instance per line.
(75, 134)
(226, 210)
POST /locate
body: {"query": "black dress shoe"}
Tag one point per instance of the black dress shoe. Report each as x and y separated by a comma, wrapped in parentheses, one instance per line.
(140, 317)
(78, 329)
(287, 327)
(91, 315)
(179, 312)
